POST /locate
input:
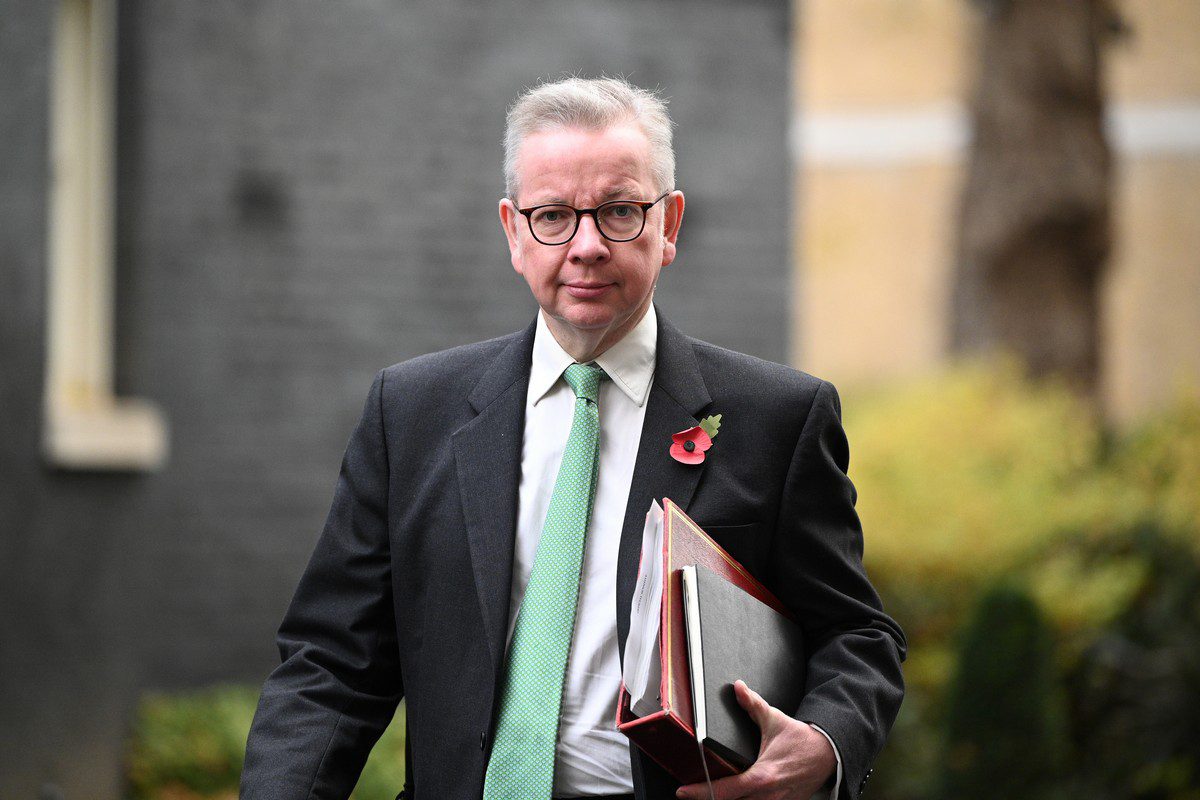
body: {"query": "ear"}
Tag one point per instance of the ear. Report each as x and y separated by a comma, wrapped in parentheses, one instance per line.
(509, 219)
(672, 222)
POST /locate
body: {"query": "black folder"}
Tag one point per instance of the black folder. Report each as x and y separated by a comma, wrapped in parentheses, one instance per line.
(730, 636)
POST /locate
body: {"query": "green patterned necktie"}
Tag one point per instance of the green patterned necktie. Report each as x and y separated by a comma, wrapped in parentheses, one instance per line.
(522, 762)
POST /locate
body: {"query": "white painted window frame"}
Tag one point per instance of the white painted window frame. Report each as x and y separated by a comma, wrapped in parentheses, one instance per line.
(85, 426)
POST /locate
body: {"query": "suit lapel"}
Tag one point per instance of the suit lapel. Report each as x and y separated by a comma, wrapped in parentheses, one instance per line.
(676, 399)
(487, 452)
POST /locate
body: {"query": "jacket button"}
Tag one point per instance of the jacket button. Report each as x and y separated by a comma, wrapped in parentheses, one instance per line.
(483, 741)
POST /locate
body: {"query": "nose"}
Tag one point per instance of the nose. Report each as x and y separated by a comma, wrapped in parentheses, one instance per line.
(588, 246)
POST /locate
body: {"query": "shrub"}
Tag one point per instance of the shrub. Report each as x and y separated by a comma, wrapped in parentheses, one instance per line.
(961, 473)
(1004, 726)
(978, 475)
(1154, 473)
(1135, 685)
(190, 746)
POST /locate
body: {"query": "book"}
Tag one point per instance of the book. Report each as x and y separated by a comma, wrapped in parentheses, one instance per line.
(732, 636)
(667, 732)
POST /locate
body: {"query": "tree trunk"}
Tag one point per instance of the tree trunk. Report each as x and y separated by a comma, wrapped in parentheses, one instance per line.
(1034, 233)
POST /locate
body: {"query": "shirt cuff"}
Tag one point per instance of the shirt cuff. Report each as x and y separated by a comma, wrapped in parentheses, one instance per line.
(837, 782)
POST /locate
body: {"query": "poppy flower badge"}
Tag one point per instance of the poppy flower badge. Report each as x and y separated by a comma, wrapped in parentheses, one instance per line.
(689, 447)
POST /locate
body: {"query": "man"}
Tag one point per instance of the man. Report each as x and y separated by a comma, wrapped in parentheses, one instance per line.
(480, 555)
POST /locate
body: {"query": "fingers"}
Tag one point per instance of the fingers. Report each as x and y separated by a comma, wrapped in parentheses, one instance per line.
(759, 776)
(758, 709)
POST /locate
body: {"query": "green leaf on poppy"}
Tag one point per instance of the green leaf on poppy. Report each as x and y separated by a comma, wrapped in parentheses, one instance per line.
(711, 425)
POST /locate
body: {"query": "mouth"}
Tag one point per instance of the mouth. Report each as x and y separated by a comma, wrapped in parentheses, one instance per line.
(587, 290)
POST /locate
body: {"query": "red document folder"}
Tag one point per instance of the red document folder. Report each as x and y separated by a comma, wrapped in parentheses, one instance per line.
(669, 736)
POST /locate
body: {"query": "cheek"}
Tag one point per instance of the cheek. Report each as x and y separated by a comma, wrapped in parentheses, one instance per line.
(650, 265)
(539, 270)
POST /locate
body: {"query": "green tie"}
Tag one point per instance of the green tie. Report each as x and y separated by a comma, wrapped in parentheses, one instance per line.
(522, 762)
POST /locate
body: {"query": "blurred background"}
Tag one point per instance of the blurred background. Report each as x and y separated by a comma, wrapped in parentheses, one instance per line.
(979, 218)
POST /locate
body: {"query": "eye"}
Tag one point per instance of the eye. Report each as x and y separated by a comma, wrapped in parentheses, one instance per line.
(552, 215)
(622, 210)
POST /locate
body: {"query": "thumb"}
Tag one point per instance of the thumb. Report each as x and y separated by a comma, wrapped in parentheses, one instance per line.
(758, 709)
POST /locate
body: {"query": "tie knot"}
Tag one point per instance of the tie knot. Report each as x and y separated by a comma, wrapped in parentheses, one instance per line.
(585, 379)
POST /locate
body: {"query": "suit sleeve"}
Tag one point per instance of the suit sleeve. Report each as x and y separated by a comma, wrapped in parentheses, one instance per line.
(854, 684)
(339, 682)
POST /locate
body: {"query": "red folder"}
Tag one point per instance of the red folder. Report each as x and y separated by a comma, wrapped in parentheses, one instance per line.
(668, 736)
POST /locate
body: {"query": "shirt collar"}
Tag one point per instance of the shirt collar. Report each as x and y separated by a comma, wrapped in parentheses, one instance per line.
(629, 362)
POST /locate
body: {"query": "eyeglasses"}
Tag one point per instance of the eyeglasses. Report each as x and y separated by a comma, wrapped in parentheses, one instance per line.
(616, 220)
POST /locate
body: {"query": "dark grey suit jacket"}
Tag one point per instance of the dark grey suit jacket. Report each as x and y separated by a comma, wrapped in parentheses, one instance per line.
(407, 593)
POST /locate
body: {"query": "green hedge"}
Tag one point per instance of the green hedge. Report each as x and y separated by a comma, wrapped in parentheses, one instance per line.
(1005, 712)
(190, 746)
(978, 476)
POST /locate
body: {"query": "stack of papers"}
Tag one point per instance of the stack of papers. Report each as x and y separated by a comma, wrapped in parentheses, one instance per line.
(643, 667)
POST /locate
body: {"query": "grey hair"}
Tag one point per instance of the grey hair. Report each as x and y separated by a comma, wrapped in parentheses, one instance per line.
(591, 104)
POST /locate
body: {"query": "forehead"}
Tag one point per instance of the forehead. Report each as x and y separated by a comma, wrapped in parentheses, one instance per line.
(572, 164)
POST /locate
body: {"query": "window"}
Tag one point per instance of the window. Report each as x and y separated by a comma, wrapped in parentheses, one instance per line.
(86, 427)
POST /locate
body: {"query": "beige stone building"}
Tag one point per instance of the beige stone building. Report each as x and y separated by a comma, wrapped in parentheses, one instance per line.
(879, 141)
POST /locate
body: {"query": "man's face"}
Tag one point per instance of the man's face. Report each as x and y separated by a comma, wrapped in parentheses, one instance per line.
(591, 290)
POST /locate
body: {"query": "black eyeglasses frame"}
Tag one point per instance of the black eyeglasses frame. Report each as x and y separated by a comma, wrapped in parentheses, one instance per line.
(580, 213)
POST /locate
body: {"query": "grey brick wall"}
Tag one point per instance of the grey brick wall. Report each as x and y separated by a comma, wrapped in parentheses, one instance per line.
(286, 174)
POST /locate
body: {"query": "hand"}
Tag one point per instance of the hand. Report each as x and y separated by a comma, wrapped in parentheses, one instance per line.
(794, 759)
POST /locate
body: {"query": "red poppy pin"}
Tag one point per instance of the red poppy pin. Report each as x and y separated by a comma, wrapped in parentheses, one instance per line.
(688, 447)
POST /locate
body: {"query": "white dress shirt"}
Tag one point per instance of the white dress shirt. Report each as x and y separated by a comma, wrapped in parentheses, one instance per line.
(592, 758)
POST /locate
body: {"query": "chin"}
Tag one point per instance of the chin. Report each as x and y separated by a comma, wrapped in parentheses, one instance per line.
(588, 316)
(588, 321)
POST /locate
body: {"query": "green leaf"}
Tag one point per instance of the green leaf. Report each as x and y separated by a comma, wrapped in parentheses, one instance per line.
(711, 425)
